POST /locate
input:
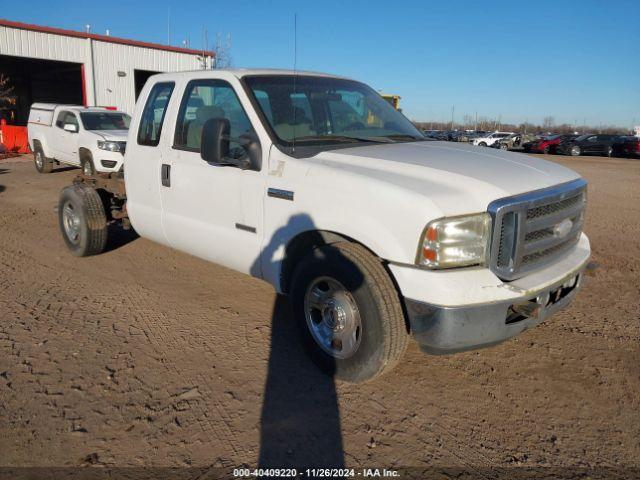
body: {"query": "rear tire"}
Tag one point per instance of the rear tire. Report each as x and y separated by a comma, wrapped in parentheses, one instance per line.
(575, 151)
(609, 151)
(504, 146)
(358, 310)
(482, 144)
(545, 150)
(82, 220)
(42, 163)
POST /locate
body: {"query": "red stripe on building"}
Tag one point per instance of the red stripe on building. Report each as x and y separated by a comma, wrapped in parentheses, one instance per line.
(102, 38)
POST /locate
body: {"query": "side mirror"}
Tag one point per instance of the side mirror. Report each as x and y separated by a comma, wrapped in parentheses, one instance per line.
(214, 144)
(71, 127)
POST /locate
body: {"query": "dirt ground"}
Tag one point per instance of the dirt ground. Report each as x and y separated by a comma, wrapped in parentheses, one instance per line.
(144, 356)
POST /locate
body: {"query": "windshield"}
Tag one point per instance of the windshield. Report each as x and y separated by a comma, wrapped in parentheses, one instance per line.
(309, 110)
(105, 121)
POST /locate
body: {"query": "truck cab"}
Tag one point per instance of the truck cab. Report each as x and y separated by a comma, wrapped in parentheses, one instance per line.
(315, 184)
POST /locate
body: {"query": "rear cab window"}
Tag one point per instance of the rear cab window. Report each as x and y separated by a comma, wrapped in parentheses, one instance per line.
(153, 114)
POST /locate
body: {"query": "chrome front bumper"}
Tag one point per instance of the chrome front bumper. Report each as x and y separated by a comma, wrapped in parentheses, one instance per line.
(442, 330)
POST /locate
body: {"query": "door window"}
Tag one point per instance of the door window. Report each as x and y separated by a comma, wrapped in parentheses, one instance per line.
(65, 117)
(153, 114)
(206, 100)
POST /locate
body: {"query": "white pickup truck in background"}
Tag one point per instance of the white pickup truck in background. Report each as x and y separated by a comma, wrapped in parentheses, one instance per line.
(318, 186)
(490, 139)
(92, 138)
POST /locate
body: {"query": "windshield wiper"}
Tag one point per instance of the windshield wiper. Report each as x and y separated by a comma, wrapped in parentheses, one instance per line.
(402, 136)
(344, 138)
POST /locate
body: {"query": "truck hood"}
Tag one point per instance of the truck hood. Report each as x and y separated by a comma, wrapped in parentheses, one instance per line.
(457, 178)
(112, 135)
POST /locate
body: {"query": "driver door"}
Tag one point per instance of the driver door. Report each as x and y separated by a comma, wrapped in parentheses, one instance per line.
(209, 210)
(65, 144)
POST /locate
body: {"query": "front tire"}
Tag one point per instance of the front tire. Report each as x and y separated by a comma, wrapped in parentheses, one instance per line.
(82, 220)
(609, 151)
(545, 150)
(575, 151)
(87, 165)
(482, 144)
(42, 163)
(348, 312)
(504, 146)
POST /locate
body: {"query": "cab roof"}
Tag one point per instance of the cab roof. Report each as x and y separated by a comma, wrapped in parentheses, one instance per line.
(244, 72)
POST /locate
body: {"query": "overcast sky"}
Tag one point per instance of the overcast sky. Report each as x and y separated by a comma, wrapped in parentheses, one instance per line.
(578, 61)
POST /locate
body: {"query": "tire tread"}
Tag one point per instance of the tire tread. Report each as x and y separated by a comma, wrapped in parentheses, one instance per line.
(94, 215)
(387, 300)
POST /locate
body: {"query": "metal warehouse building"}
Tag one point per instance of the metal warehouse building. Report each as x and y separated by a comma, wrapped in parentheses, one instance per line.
(63, 66)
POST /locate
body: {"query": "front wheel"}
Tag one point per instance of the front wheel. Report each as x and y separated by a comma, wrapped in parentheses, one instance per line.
(609, 151)
(82, 220)
(504, 146)
(575, 151)
(482, 144)
(87, 165)
(545, 150)
(348, 312)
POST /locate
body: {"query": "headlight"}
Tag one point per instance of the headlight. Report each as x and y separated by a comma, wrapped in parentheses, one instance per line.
(455, 242)
(111, 146)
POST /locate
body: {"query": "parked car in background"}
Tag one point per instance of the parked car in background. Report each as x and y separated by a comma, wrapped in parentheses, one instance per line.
(547, 143)
(514, 141)
(590, 144)
(434, 134)
(469, 135)
(89, 137)
(488, 140)
(628, 146)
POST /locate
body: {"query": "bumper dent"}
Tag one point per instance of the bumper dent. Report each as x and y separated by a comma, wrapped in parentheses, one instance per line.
(442, 330)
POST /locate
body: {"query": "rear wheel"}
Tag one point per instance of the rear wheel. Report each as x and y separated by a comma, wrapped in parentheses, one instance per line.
(608, 151)
(42, 163)
(348, 312)
(482, 144)
(575, 151)
(545, 150)
(82, 220)
(504, 146)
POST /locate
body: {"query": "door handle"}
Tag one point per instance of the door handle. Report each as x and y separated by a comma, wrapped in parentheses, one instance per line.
(165, 175)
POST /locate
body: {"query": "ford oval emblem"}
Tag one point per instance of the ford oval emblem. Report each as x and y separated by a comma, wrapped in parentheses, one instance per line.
(563, 228)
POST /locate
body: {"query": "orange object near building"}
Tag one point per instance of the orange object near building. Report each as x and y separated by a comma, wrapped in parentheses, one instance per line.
(14, 138)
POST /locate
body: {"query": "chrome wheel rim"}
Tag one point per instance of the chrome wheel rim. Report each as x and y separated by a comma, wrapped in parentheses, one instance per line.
(333, 317)
(86, 168)
(71, 223)
(575, 150)
(39, 160)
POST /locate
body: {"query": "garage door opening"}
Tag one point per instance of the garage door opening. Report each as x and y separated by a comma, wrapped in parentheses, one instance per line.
(34, 80)
(140, 77)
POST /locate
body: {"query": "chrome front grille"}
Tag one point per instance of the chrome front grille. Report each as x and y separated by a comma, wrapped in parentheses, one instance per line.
(532, 229)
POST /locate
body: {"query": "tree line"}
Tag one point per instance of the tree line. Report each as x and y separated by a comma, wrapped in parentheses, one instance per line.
(548, 126)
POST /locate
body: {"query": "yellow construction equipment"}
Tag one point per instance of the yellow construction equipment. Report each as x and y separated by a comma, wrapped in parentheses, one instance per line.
(394, 100)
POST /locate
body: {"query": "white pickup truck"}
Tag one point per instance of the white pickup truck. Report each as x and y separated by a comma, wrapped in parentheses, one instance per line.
(490, 139)
(318, 186)
(92, 138)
